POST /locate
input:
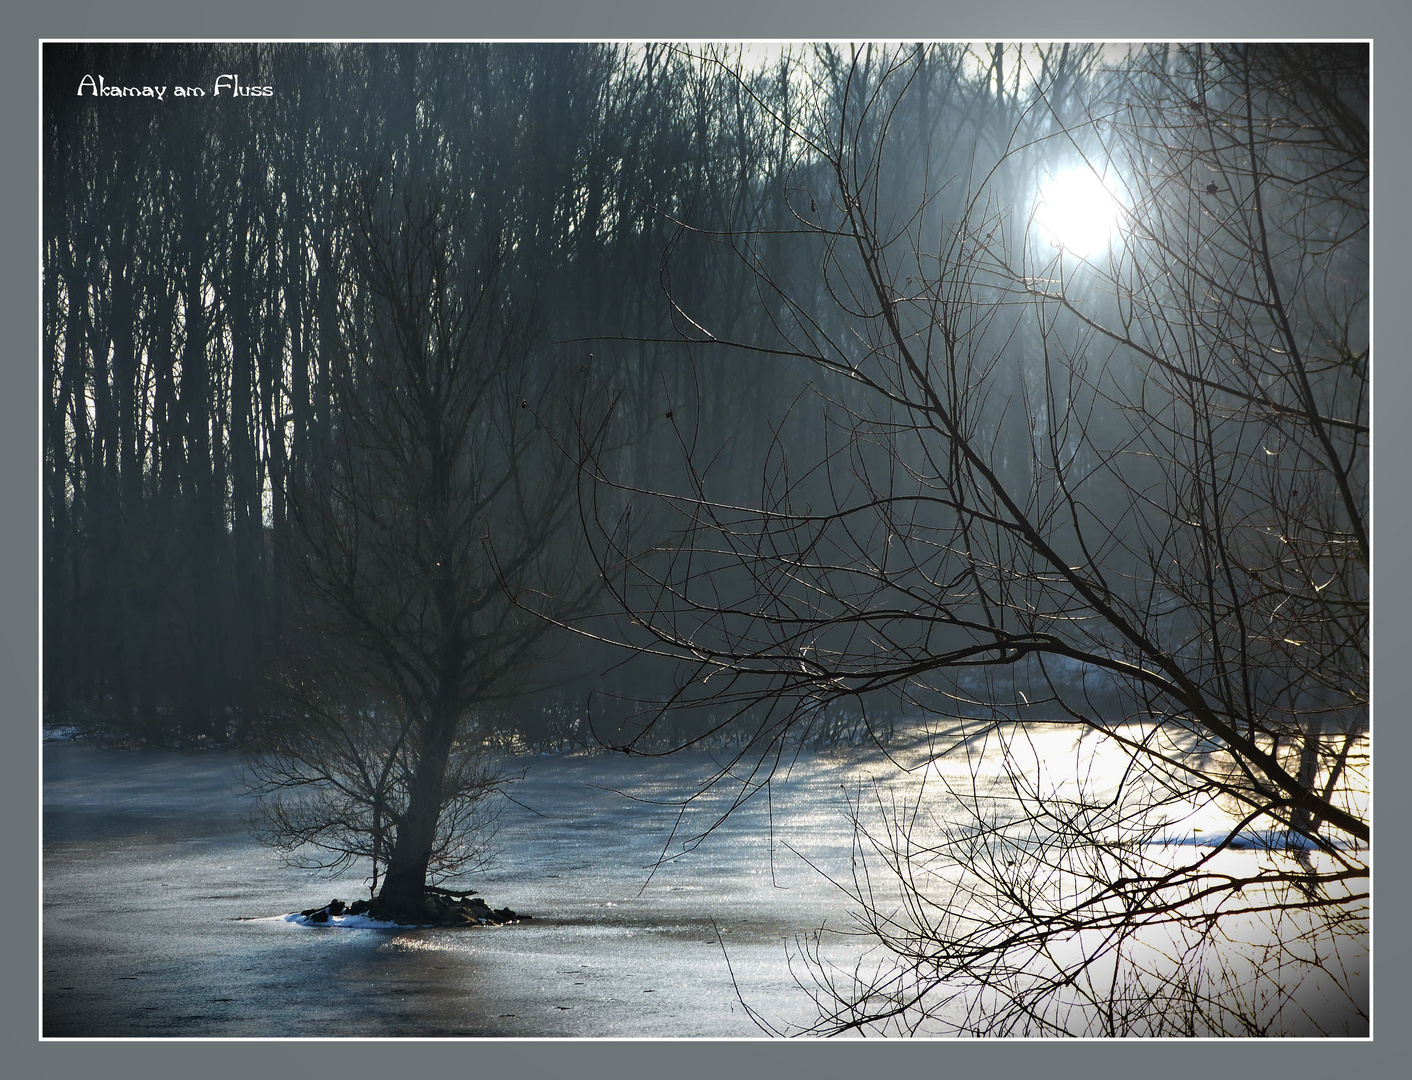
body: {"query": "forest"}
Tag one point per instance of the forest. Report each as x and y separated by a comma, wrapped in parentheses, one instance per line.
(454, 401)
(196, 268)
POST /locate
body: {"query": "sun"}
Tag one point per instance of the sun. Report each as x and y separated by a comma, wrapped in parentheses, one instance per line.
(1078, 212)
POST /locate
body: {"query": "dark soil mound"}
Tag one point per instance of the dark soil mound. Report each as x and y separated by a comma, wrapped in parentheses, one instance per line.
(438, 908)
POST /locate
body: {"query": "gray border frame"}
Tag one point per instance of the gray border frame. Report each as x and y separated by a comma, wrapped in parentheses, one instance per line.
(1387, 22)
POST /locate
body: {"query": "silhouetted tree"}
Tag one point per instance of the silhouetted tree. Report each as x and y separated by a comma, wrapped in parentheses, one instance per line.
(1160, 618)
(440, 494)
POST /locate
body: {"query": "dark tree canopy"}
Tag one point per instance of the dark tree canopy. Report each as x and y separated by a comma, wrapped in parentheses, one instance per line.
(1115, 488)
(195, 251)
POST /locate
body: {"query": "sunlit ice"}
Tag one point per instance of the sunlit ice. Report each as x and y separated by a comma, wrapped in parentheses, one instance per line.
(1077, 211)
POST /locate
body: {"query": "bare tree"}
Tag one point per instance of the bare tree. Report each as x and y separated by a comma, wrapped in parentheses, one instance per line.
(438, 493)
(1097, 513)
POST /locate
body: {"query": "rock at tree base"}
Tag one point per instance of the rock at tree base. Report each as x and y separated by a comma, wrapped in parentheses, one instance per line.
(438, 908)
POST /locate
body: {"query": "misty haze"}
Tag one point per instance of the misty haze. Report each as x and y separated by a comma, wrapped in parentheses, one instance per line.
(619, 540)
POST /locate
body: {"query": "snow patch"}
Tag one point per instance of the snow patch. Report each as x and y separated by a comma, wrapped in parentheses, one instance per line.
(350, 922)
(1247, 840)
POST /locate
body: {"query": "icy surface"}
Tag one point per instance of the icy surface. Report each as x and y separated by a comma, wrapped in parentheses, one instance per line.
(350, 922)
(163, 917)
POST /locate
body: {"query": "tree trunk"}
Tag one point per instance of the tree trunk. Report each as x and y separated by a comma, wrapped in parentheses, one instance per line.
(404, 884)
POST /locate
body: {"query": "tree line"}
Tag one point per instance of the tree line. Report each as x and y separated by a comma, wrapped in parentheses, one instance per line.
(197, 257)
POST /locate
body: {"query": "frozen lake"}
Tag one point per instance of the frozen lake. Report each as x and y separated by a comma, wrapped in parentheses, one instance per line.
(162, 915)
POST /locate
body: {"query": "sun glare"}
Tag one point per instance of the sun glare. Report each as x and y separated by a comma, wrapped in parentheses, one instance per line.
(1077, 212)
